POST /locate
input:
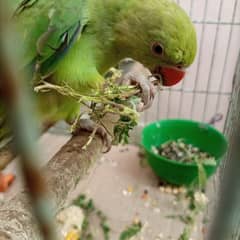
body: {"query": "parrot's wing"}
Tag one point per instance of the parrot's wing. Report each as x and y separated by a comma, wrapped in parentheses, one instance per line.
(48, 29)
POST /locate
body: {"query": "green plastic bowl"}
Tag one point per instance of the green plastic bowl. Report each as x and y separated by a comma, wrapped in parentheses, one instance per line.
(201, 135)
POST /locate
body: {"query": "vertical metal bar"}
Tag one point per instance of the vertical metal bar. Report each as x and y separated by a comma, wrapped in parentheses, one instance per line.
(169, 102)
(212, 60)
(199, 57)
(170, 90)
(226, 56)
(184, 81)
(210, 76)
(216, 178)
(158, 106)
(233, 96)
(15, 95)
(227, 218)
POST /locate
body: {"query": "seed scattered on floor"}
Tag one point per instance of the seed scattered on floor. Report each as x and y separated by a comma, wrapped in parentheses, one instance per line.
(156, 210)
(162, 189)
(122, 150)
(154, 203)
(145, 195)
(102, 159)
(147, 205)
(168, 190)
(175, 191)
(114, 163)
(136, 220)
(125, 193)
(130, 189)
(160, 236)
(175, 203)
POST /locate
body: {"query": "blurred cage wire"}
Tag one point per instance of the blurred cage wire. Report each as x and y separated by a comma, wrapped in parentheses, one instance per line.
(207, 87)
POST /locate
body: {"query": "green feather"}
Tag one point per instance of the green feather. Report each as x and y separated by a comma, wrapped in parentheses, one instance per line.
(75, 41)
(44, 24)
(49, 65)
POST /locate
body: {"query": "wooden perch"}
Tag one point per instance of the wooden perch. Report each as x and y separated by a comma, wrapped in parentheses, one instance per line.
(7, 154)
(63, 172)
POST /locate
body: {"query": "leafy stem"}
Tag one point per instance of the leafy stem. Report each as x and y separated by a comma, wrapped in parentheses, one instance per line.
(112, 98)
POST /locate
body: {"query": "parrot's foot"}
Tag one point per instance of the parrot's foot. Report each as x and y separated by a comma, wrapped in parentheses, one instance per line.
(134, 73)
(94, 128)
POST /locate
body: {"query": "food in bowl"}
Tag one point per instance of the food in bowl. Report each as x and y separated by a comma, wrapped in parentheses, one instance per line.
(180, 151)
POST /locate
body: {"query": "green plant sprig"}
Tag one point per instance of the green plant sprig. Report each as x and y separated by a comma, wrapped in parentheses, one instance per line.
(131, 231)
(112, 98)
(87, 205)
(195, 207)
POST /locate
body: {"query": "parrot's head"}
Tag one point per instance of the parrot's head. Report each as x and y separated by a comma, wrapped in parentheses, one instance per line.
(160, 35)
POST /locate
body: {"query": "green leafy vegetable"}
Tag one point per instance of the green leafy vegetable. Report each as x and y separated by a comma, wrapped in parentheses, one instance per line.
(87, 205)
(131, 231)
(113, 98)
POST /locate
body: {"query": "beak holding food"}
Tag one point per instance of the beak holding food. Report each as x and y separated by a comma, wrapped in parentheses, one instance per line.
(170, 75)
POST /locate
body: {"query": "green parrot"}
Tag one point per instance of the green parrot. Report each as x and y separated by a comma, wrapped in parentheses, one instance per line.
(77, 41)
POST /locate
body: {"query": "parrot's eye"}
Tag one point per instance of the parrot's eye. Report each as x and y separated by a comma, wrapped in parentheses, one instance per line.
(157, 49)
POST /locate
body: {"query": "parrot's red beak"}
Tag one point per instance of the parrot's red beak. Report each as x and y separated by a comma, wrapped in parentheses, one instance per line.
(170, 75)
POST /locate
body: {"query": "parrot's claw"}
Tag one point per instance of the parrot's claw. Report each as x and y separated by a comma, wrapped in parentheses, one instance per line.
(94, 128)
(134, 73)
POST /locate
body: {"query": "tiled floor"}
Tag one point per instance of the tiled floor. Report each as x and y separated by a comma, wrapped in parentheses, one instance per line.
(117, 184)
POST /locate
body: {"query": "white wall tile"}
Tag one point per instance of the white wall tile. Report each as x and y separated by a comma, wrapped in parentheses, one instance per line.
(213, 10)
(227, 13)
(237, 17)
(231, 59)
(198, 9)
